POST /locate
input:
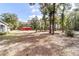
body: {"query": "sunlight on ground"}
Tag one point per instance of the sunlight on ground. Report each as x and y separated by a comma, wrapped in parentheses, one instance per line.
(18, 33)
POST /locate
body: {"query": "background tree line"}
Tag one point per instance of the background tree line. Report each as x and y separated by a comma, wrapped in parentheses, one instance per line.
(60, 14)
(55, 16)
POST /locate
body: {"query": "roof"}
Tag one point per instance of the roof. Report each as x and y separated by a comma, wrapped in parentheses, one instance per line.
(4, 22)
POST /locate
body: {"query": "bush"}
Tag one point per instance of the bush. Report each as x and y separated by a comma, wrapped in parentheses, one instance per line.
(69, 33)
(3, 33)
(69, 27)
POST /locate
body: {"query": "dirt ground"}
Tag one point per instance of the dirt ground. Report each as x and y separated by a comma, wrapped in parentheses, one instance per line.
(30, 43)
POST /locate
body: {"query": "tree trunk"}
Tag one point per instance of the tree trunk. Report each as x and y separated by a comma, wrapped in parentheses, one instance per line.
(44, 21)
(62, 16)
(53, 26)
(44, 24)
(62, 22)
(40, 26)
(50, 23)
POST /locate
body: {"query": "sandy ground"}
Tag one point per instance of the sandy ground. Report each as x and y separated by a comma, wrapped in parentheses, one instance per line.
(29, 43)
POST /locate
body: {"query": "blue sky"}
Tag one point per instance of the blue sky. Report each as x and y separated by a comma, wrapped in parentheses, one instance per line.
(23, 10)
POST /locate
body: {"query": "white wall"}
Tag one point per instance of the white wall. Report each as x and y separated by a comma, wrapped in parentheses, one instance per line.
(6, 28)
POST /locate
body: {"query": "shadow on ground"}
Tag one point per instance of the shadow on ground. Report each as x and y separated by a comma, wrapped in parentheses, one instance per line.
(35, 44)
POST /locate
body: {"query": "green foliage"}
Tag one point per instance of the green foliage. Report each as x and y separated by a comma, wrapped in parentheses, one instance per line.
(44, 11)
(76, 22)
(11, 19)
(69, 27)
(34, 23)
(69, 33)
(3, 33)
(23, 24)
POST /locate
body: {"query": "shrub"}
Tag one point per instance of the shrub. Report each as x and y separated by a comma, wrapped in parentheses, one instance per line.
(69, 28)
(69, 33)
(3, 33)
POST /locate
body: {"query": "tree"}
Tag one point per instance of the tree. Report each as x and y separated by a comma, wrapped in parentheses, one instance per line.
(34, 23)
(69, 25)
(51, 11)
(43, 10)
(23, 24)
(31, 4)
(11, 19)
(76, 16)
(63, 7)
(54, 6)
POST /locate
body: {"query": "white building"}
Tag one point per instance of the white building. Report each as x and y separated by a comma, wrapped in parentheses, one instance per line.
(4, 27)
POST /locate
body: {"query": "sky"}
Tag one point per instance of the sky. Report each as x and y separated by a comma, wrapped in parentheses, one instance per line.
(23, 10)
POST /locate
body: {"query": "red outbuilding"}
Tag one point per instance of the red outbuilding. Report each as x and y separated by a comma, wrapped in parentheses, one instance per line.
(25, 28)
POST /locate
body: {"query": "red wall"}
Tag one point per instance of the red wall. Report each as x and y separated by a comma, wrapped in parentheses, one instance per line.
(25, 28)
